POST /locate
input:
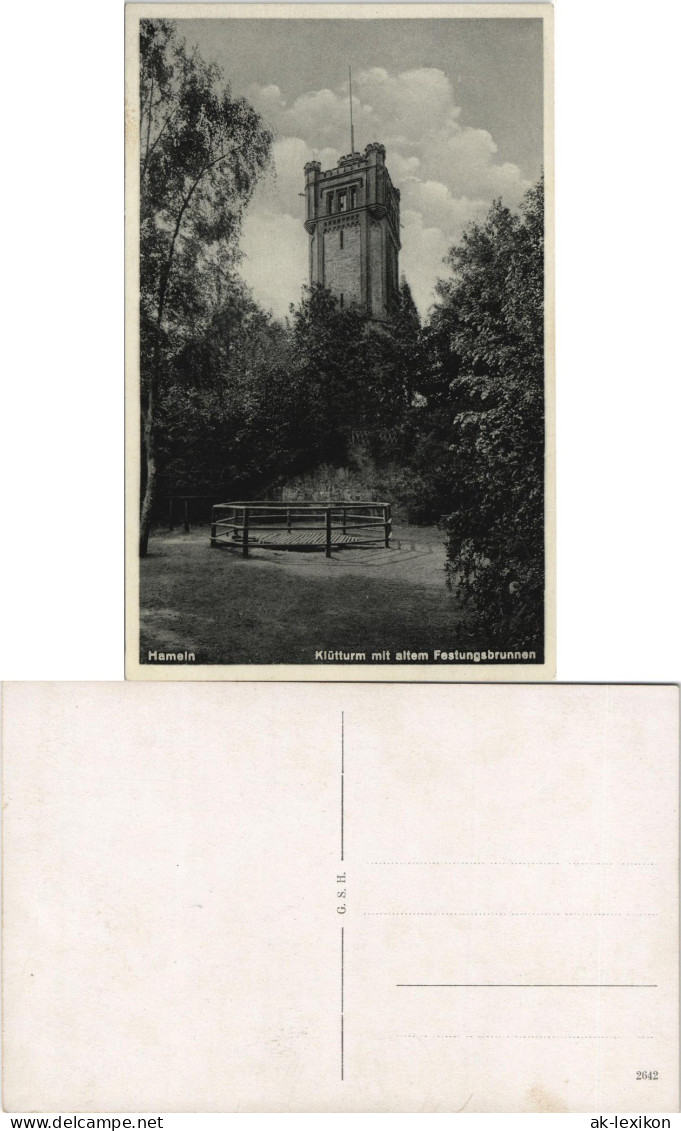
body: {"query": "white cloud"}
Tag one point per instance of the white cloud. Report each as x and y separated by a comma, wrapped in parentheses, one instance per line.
(282, 188)
(268, 98)
(434, 201)
(401, 167)
(448, 173)
(423, 249)
(275, 263)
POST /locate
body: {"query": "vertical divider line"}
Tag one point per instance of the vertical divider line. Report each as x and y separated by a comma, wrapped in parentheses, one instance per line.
(342, 1016)
(342, 832)
(342, 785)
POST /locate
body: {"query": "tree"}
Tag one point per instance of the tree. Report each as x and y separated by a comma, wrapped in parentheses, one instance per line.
(220, 396)
(392, 361)
(201, 152)
(488, 330)
(406, 335)
(329, 362)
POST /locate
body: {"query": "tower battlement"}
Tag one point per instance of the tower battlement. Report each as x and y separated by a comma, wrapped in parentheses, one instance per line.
(352, 216)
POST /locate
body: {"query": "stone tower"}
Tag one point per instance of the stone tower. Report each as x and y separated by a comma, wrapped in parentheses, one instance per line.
(352, 215)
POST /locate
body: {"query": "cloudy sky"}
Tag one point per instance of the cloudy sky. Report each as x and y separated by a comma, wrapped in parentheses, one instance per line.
(456, 102)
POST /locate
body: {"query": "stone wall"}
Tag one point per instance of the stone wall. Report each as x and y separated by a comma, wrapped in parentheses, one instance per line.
(376, 269)
(342, 268)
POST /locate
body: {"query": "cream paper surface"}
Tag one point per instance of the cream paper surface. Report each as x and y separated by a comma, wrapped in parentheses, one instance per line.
(340, 898)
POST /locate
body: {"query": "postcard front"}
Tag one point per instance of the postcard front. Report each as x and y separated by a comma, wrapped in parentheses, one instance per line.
(340, 342)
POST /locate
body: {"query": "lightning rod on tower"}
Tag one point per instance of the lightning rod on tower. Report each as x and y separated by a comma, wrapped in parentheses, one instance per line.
(352, 128)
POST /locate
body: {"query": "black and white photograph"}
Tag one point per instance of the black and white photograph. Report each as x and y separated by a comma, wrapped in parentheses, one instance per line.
(339, 342)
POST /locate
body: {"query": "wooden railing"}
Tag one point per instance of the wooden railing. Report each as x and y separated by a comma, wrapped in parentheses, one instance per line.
(273, 524)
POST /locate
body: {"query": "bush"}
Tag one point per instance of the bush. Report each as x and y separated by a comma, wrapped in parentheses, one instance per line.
(491, 321)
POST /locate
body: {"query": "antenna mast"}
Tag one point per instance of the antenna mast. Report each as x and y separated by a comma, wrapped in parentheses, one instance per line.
(352, 128)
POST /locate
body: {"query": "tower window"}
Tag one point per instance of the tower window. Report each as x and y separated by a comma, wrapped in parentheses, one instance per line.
(341, 240)
(342, 201)
(341, 300)
(353, 196)
(329, 202)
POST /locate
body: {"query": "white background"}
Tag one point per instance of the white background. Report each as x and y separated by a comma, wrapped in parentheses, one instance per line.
(618, 314)
(618, 373)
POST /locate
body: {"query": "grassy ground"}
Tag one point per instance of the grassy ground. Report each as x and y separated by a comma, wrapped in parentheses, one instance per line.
(280, 607)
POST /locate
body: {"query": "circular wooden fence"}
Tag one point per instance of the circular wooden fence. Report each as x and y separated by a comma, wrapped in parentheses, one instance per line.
(301, 526)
